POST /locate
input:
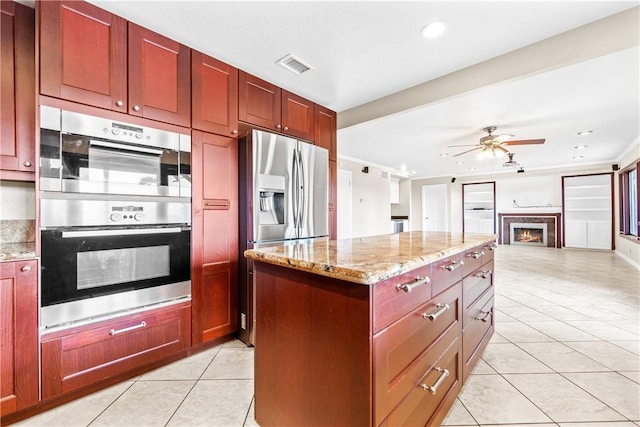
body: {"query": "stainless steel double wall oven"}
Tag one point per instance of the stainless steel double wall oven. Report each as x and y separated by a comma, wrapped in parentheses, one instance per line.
(115, 217)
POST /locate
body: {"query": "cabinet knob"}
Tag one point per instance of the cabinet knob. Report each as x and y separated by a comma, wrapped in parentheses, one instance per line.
(136, 108)
(278, 126)
(286, 128)
(26, 268)
(27, 164)
(119, 103)
(235, 131)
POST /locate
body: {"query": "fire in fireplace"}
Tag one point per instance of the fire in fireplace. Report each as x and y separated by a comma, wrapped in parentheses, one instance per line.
(528, 234)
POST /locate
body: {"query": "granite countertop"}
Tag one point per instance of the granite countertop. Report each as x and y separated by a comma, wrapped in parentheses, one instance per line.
(367, 260)
(17, 251)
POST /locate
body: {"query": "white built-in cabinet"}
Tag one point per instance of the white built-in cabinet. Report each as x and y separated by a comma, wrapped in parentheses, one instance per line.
(588, 211)
(479, 204)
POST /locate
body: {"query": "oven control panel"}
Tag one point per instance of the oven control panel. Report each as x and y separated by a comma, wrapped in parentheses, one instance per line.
(127, 214)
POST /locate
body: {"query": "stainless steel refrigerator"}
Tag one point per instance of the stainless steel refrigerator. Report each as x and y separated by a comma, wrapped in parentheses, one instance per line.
(284, 196)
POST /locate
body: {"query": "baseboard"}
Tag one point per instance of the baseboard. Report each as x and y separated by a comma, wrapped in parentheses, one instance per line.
(629, 260)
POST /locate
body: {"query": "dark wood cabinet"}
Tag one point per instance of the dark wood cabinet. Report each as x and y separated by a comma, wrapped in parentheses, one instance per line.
(18, 335)
(159, 77)
(82, 356)
(214, 97)
(83, 54)
(17, 133)
(326, 130)
(214, 236)
(93, 57)
(266, 105)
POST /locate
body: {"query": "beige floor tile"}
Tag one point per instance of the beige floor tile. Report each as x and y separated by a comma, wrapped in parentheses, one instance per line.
(559, 312)
(458, 416)
(561, 358)
(561, 400)
(604, 424)
(212, 403)
(561, 331)
(525, 313)
(490, 399)
(617, 391)
(521, 425)
(501, 316)
(632, 375)
(630, 325)
(231, 363)
(608, 355)
(145, 403)
(250, 421)
(80, 412)
(632, 346)
(507, 358)
(497, 338)
(604, 330)
(483, 368)
(189, 368)
(519, 332)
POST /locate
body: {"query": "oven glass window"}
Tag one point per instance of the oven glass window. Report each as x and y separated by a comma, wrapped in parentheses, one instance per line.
(115, 266)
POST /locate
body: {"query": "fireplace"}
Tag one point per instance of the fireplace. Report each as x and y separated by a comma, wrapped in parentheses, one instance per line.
(522, 233)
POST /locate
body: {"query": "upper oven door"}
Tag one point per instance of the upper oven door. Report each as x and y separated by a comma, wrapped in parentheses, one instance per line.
(94, 155)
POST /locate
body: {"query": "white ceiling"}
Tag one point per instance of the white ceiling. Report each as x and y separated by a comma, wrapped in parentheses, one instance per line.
(365, 50)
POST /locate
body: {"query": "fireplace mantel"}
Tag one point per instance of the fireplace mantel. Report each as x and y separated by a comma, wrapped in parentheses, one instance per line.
(552, 219)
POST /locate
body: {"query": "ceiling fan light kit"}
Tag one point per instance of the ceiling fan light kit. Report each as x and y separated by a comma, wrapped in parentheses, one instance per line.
(494, 145)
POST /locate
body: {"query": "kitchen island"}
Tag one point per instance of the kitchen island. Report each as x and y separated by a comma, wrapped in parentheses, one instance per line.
(372, 331)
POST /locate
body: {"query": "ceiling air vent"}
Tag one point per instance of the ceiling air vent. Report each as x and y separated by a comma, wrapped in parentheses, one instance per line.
(294, 64)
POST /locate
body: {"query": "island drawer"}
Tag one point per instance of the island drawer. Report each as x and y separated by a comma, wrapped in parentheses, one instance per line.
(85, 355)
(395, 297)
(473, 259)
(489, 250)
(476, 283)
(479, 325)
(401, 346)
(446, 272)
(431, 396)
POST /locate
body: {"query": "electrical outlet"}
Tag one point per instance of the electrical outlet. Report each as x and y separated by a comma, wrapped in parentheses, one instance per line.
(243, 321)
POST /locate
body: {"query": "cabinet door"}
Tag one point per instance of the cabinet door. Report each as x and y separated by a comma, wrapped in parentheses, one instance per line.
(575, 234)
(325, 130)
(214, 95)
(297, 116)
(17, 133)
(599, 235)
(159, 77)
(215, 236)
(259, 102)
(83, 54)
(333, 200)
(18, 335)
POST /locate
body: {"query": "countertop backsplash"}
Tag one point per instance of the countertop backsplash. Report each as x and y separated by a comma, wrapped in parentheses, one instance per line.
(17, 231)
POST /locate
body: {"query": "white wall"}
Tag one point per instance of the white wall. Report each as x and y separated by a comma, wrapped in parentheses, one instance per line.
(626, 248)
(17, 200)
(371, 199)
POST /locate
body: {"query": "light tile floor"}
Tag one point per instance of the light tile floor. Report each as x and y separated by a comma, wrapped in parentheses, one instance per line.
(566, 353)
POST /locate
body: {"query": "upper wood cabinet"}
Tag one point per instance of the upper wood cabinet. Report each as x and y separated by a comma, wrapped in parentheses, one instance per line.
(325, 130)
(264, 104)
(83, 54)
(159, 77)
(90, 56)
(18, 334)
(214, 96)
(17, 133)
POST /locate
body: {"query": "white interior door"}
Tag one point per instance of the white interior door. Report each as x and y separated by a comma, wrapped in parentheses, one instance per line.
(435, 208)
(345, 215)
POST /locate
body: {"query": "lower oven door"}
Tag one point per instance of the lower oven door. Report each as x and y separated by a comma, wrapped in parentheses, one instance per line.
(88, 273)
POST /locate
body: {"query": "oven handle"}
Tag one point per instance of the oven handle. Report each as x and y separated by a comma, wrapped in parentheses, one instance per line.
(128, 231)
(106, 144)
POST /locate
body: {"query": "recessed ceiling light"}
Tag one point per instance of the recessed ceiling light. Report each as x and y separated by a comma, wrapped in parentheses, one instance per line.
(459, 163)
(580, 147)
(472, 169)
(577, 157)
(585, 132)
(433, 30)
(444, 154)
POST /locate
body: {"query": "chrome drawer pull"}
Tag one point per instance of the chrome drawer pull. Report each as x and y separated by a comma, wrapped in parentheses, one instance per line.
(491, 247)
(486, 316)
(408, 287)
(453, 265)
(484, 274)
(130, 328)
(444, 373)
(476, 254)
(433, 316)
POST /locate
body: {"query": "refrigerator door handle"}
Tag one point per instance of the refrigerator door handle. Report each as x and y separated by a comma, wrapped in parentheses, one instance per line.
(294, 185)
(302, 186)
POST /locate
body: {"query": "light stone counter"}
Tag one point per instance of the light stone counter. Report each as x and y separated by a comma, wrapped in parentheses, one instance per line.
(367, 260)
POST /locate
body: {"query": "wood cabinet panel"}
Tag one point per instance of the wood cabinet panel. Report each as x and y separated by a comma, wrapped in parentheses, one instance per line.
(214, 95)
(85, 355)
(326, 130)
(298, 116)
(478, 328)
(18, 335)
(259, 102)
(159, 77)
(472, 260)
(446, 272)
(476, 283)
(17, 128)
(214, 236)
(83, 54)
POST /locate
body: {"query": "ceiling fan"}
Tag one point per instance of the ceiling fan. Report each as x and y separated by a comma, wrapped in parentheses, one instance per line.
(495, 144)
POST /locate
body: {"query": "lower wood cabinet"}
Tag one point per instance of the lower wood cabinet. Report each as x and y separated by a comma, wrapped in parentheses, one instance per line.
(18, 335)
(78, 357)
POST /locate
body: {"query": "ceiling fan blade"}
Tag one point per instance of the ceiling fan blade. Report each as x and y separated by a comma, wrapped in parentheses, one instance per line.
(526, 142)
(499, 139)
(465, 152)
(465, 145)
